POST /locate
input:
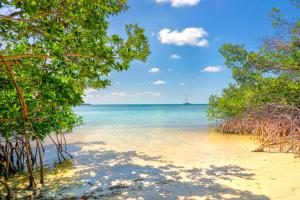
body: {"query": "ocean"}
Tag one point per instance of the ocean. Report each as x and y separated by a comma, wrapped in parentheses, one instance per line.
(162, 152)
(144, 116)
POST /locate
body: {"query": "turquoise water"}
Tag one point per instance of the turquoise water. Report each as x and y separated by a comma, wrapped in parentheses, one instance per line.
(143, 116)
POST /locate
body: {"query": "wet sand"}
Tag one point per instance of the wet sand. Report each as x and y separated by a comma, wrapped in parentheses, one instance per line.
(172, 164)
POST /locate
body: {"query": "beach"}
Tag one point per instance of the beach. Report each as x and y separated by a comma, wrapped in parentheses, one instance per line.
(150, 100)
(188, 161)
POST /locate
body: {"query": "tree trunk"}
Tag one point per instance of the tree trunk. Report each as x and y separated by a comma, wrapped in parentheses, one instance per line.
(26, 119)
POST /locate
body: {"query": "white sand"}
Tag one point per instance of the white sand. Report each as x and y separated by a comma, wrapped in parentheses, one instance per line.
(174, 164)
(199, 165)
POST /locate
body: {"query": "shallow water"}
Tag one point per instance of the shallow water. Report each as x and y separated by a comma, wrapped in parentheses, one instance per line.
(144, 116)
(166, 152)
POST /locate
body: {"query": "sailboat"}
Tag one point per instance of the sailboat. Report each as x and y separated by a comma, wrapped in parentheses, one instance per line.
(186, 101)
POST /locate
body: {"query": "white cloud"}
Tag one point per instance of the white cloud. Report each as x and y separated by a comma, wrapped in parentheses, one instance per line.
(119, 94)
(203, 43)
(175, 56)
(179, 3)
(154, 70)
(90, 91)
(170, 70)
(181, 83)
(188, 36)
(212, 69)
(159, 82)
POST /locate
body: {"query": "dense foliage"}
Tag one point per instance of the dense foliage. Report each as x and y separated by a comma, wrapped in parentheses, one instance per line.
(270, 75)
(62, 47)
(51, 51)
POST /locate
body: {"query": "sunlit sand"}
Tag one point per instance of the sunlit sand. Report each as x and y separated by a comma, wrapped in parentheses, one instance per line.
(173, 164)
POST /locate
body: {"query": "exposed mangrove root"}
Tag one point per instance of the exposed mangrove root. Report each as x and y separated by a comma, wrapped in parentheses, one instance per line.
(15, 156)
(25, 119)
(61, 147)
(276, 126)
(8, 193)
(16, 152)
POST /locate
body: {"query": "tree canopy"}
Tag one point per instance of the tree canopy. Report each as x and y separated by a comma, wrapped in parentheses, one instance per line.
(50, 52)
(59, 48)
(270, 75)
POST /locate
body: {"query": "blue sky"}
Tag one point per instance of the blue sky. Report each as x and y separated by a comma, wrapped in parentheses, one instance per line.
(185, 36)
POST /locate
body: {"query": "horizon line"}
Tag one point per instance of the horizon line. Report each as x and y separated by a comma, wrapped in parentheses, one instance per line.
(144, 104)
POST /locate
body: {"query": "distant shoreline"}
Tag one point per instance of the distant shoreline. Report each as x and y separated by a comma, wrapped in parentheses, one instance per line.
(166, 104)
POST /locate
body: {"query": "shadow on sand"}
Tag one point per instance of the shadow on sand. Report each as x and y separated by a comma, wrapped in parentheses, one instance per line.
(105, 174)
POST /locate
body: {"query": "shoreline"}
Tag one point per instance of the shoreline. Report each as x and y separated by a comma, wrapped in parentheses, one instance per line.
(180, 164)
